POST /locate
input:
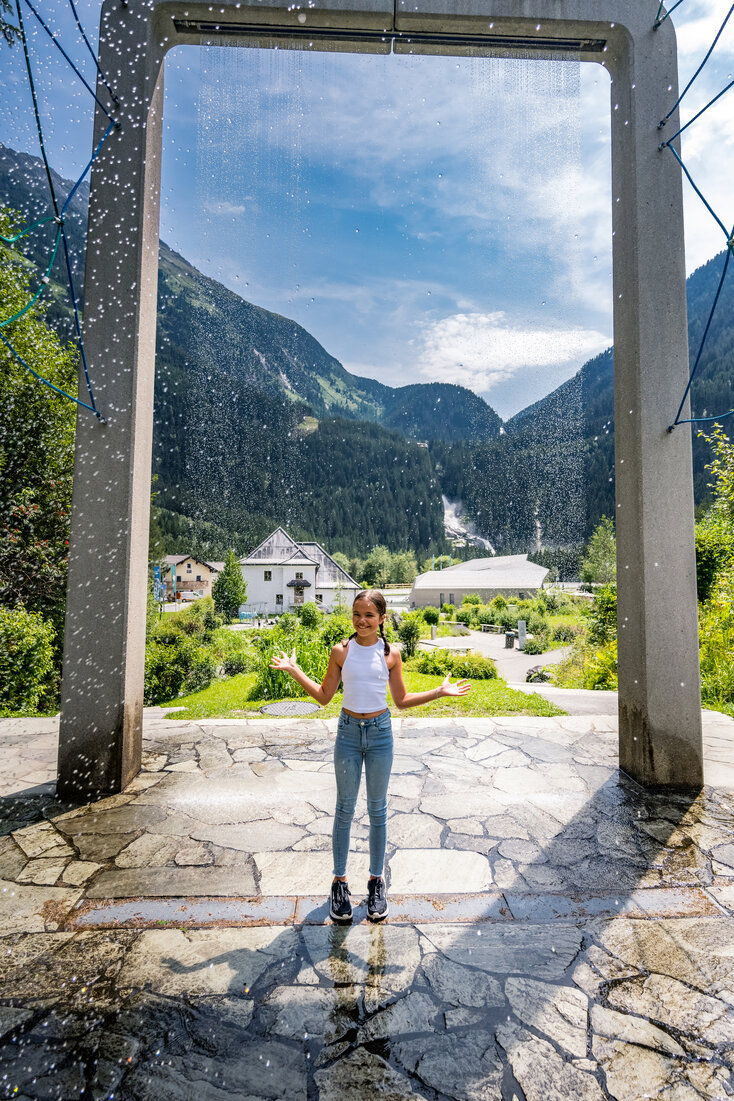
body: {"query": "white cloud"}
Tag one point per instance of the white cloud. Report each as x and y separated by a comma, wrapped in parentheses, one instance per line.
(225, 208)
(480, 350)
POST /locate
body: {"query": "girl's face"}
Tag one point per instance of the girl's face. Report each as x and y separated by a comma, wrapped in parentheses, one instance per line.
(366, 619)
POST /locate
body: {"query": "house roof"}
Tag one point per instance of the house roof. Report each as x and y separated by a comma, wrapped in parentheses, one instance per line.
(511, 571)
(177, 559)
(280, 550)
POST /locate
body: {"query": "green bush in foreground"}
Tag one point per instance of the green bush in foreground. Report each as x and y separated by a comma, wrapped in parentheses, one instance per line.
(28, 680)
(471, 666)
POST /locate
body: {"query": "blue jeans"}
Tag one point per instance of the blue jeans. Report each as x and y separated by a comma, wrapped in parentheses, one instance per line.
(357, 740)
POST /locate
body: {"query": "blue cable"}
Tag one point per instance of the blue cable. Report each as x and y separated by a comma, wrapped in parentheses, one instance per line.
(92, 159)
(60, 221)
(44, 282)
(701, 112)
(705, 202)
(66, 56)
(658, 21)
(692, 420)
(698, 70)
(45, 381)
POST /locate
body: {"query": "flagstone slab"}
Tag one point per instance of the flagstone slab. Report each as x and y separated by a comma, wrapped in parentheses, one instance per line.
(423, 870)
(237, 881)
(542, 1072)
(378, 957)
(26, 908)
(459, 985)
(558, 1011)
(175, 962)
(303, 873)
(543, 951)
(362, 1074)
(609, 1024)
(414, 831)
(464, 1067)
(261, 836)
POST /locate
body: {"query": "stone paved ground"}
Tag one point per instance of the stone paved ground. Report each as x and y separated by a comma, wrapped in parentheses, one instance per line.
(555, 932)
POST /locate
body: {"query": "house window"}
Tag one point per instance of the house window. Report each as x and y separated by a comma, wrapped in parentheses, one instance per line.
(319, 598)
(441, 600)
(299, 577)
(188, 567)
(198, 577)
(178, 577)
(268, 575)
(451, 598)
(278, 598)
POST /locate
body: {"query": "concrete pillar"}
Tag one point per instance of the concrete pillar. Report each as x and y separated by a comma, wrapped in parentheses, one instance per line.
(104, 645)
(660, 738)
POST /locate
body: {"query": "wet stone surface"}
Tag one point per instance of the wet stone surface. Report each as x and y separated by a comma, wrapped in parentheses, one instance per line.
(554, 931)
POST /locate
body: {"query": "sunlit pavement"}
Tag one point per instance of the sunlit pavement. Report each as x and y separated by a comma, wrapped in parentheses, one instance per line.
(554, 931)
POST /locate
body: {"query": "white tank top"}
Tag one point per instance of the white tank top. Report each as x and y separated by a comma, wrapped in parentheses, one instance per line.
(365, 676)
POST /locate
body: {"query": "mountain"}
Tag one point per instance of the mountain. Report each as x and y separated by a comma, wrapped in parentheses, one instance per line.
(257, 425)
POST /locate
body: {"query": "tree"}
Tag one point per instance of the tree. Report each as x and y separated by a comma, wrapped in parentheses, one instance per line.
(341, 560)
(9, 31)
(404, 568)
(378, 567)
(230, 588)
(310, 614)
(409, 632)
(599, 565)
(36, 450)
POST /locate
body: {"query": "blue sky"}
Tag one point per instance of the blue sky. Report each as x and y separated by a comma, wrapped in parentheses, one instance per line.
(426, 218)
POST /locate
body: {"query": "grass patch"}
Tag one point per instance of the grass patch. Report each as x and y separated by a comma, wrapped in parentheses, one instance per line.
(227, 699)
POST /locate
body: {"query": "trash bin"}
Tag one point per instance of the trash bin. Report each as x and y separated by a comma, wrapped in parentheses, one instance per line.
(509, 640)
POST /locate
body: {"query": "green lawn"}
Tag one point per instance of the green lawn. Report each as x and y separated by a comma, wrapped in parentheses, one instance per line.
(225, 699)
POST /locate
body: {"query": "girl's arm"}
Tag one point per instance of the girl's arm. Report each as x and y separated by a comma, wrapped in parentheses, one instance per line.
(323, 693)
(402, 698)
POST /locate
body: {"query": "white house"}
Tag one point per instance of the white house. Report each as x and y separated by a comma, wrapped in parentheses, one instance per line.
(281, 574)
(508, 575)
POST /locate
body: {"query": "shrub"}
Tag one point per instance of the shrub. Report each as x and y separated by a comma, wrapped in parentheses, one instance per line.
(409, 633)
(176, 668)
(565, 632)
(601, 671)
(431, 615)
(498, 603)
(473, 666)
(537, 624)
(28, 679)
(312, 654)
(448, 610)
(200, 619)
(310, 615)
(435, 663)
(534, 646)
(716, 628)
(471, 598)
(603, 616)
(335, 629)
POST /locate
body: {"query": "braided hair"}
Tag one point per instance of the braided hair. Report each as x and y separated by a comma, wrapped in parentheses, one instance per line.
(381, 604)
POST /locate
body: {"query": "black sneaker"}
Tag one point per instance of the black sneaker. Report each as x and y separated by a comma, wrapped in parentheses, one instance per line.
(376, 900)
(340, 908)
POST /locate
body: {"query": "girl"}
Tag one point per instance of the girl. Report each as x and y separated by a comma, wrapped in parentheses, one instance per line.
(366, 664)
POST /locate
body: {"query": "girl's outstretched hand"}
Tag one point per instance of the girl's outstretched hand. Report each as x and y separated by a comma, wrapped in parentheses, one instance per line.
(459, 689)
(282, 661)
